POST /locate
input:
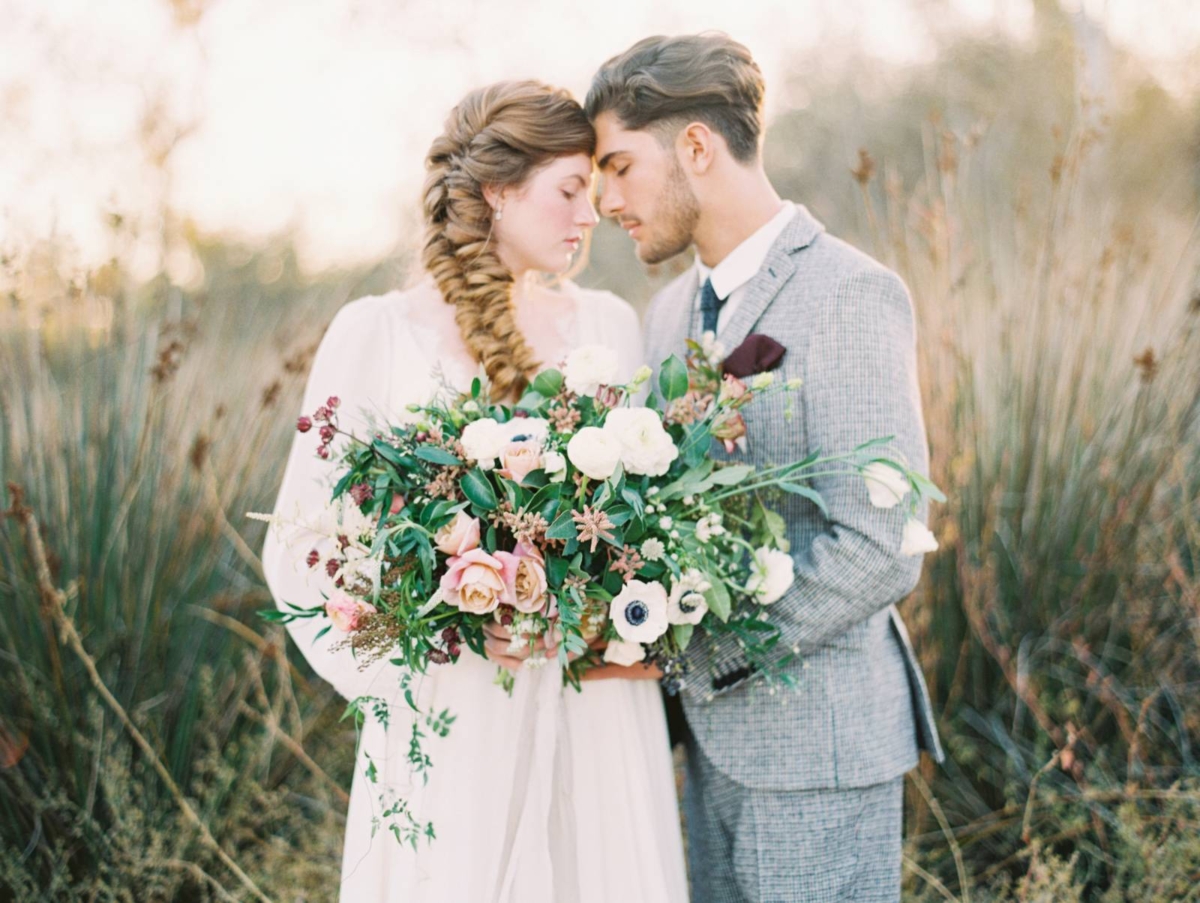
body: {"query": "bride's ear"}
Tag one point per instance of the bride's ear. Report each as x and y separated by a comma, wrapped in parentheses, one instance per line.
(494, 197)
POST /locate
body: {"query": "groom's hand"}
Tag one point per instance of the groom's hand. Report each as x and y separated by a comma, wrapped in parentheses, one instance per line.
(638, 671)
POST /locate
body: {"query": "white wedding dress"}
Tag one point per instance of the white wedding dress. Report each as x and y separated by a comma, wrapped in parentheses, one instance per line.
(550, 796)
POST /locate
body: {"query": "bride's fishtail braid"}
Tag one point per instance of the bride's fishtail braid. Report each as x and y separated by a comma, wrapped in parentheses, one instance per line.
(495, 136)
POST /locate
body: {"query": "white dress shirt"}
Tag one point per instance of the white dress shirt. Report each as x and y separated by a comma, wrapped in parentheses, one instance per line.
(729, 277)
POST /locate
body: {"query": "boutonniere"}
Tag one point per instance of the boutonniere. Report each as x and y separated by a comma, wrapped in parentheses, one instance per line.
(757, 354)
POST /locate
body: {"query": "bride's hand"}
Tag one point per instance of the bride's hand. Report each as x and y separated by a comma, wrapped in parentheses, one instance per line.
(499, 637)
(499, 650)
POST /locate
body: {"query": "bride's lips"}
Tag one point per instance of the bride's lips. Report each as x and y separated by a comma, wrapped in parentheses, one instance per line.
(573, 243)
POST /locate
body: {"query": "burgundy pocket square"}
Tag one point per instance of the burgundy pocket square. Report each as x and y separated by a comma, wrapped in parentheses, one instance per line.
(757, 354)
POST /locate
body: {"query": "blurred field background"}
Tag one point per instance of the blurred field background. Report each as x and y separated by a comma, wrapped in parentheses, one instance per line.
(1030, 169)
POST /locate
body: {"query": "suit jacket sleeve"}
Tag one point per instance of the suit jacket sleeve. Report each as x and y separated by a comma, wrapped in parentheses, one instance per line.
(860, 383)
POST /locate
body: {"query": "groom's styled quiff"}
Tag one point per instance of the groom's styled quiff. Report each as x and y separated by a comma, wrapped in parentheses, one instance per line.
(496, 136)
(660, 84)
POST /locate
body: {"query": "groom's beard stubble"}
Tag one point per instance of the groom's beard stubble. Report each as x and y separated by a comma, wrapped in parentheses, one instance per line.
(679, 211)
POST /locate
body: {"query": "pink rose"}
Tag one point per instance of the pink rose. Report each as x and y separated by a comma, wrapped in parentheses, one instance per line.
(346, 612)
(520, 458)
(524, 578)
(459, 536)
(475, 582)
(733, 390)
(729, 428)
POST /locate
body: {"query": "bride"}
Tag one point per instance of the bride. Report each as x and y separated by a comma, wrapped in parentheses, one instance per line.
(553, 795)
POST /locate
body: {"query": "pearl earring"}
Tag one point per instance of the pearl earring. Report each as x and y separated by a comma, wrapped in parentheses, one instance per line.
(499, 214)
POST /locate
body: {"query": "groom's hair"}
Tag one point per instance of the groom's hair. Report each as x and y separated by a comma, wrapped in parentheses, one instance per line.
(663, 83)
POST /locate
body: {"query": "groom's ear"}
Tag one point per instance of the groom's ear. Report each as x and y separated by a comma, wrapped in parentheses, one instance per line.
(697, 146)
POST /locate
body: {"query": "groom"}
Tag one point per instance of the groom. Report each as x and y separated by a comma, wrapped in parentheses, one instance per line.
(795, 795)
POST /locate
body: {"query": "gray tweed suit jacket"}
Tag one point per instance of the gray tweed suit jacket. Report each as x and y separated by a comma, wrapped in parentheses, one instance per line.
(862, 709)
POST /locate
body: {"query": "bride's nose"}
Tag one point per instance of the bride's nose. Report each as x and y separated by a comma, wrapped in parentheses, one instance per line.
(587, 216)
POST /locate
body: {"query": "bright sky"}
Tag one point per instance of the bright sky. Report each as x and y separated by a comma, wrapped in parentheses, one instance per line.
(315, 114)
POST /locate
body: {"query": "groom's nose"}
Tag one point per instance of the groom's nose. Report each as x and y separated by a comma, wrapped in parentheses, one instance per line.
(611, 202)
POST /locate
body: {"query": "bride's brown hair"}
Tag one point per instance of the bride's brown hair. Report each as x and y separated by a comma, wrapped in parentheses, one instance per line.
(496, 137)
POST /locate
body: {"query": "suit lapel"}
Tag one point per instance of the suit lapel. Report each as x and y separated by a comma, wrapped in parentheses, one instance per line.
(678, 316)
(776, 270)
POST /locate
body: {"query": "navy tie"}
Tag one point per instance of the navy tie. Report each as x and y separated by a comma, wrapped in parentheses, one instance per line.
(710, 307)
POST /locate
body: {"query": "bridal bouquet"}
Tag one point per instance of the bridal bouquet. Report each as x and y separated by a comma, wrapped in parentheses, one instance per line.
(604, 528)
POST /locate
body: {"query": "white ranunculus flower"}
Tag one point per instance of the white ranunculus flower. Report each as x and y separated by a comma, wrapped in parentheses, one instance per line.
(589, 367)
(639, 612)
(619, 653)
(886, 485)
(555, 466)
(772, 574)
(917, 539)
(594, 452)
(483, 440)
(646, 448)
(686, 603)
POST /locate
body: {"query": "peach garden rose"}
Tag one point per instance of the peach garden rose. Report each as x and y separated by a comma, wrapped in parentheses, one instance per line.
(459, 536)
(474, 582)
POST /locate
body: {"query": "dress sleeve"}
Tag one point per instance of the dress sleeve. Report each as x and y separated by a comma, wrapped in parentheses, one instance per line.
(350, 363)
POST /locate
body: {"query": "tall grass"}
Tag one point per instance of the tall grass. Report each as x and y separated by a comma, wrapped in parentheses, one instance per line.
(1058, 622)
(138, 457)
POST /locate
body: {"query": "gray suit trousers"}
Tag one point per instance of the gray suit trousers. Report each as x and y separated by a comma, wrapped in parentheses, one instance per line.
(790, 846)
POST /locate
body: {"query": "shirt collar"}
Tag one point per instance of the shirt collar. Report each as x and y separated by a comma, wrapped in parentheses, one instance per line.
(740, 264)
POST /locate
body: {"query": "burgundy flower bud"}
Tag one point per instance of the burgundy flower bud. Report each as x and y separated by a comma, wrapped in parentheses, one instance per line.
(422, 436)
(506, 619)
(333, 402)
(455, 650)
(437, 656)
(304, 424)
(323, 451)
(321, 413)
(327, 434)
(450, 635)
(313, 559)
(331, 566)
(520, 414)
(361, 492)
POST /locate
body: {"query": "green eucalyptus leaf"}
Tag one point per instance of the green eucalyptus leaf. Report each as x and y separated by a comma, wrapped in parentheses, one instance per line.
(476, 487)
(563, 527)
(435, 455)
(806, 492)
(717, 597)
(548, 383)
(673, 378)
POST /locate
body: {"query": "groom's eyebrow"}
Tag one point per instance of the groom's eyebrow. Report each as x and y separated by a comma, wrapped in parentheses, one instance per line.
(608, 158)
